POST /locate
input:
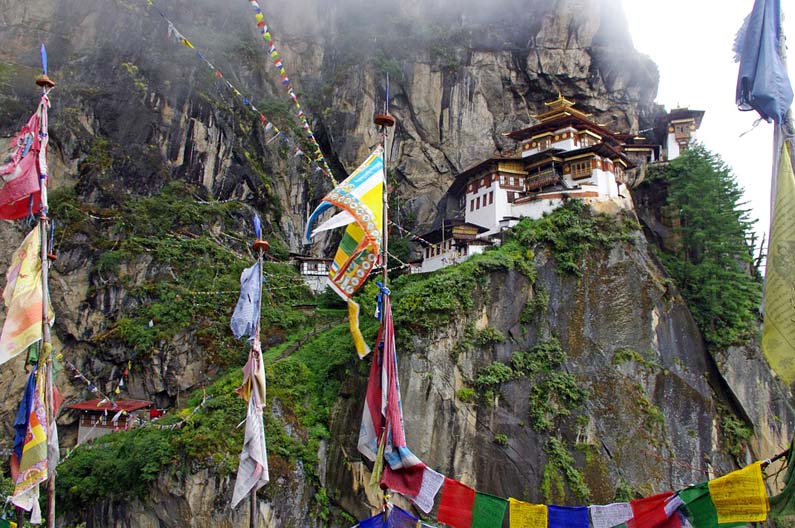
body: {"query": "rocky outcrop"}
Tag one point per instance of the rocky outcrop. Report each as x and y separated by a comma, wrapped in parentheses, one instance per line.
(654, 418)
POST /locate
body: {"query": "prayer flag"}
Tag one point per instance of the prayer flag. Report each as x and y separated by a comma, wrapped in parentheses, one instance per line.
(610, 515)
(567, 517)
(379, 520)
(762, 81)
(431, 484)
(23, 299)
(252, 472)
(245, 319)
(699, 508)
(778, 331)
(360, 196)
(740, 496)
(489, 511)
(455, 509)
(21, 422)
(525, 515)
(400, 518)
(655, 512)
(24, 167)
(33, 464)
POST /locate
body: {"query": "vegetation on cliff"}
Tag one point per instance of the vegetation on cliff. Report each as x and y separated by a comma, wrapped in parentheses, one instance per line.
(712, 258)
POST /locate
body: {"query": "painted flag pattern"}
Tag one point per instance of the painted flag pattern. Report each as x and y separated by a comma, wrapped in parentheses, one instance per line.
(360, 197)
(23, 172)
(23, 299)
(33, 464)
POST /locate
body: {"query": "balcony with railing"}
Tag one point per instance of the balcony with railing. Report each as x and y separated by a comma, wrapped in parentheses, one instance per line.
(537, 181)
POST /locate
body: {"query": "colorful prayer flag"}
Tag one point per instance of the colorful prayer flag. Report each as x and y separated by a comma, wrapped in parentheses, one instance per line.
(489, 511)
(360, 197)
(23, 299)
(699, 508)
(525, 515)
(740, 496)
(656, 511)
(778, 331)
(24, 169)
(455, 508)
(33, 464)
(567, 516)
(252, 473)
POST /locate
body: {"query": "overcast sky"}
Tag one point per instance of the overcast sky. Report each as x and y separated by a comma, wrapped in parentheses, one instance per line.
(691, 43)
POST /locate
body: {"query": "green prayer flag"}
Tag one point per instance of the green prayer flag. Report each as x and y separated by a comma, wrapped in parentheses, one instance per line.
(783, 504)
(700, 509)
(488, 511)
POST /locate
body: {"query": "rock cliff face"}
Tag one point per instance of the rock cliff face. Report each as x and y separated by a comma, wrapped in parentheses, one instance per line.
(133, 112)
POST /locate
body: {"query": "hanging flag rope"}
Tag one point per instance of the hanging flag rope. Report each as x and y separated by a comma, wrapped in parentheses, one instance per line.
(266, 124)
(262, 25)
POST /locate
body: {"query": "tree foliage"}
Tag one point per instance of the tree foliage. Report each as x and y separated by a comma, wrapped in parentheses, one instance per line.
(711, 263)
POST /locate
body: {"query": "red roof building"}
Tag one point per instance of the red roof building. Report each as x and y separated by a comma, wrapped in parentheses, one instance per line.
(100, 417)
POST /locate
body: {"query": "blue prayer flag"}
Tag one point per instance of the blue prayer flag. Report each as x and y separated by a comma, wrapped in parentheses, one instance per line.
(762, 82)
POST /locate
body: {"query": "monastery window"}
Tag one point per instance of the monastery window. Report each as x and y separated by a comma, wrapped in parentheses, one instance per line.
(510, 181)
(491, 197)
(581, 169)
(510, 196)
(544, 143)
(477, 202)
(682, 130)
(472, 205)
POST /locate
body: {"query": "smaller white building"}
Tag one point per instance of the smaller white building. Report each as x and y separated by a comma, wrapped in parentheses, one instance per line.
(681, 130)
(451, 244)
(314, 271)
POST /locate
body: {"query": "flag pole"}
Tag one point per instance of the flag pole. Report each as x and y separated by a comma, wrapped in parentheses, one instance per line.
(260, 246)
(46, 85)
(384, 121)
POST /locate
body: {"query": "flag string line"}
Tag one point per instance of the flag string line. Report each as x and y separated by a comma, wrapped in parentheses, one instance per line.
(262, 24)
(92, 387)
(265, 122)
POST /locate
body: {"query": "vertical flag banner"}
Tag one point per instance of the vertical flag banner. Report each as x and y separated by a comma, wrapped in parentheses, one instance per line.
(778, 331)
(455, 508)
(740, 496)
(524, 515)
(431, 484)
(33, 464)
(700, 509)
(23, 299)
(762, 81)
(360, 197)
(24, 167)
(252, 473)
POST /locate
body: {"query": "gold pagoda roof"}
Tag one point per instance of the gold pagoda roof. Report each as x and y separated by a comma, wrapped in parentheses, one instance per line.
(560, 107)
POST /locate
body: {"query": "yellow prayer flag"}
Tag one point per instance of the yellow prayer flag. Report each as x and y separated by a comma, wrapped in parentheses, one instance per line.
(740, 496)
(778, 335)
(187, 43)
(23, 298)
(525, 515)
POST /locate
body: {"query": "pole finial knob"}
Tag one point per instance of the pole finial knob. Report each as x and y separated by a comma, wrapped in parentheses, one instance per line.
(384, 120)
(44, 81)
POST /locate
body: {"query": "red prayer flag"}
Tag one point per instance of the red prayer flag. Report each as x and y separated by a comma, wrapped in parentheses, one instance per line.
(406, 481)
(650, 512)
(455, 508)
